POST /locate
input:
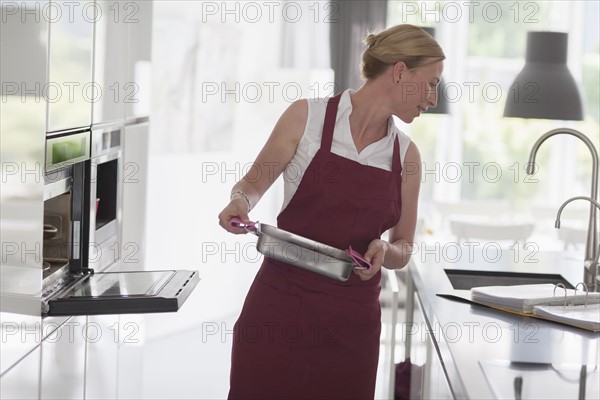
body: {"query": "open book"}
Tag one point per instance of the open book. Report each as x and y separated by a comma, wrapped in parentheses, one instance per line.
(586, 317)
(566, 306)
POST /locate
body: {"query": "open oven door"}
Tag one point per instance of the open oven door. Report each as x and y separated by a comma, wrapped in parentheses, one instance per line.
(123, 293)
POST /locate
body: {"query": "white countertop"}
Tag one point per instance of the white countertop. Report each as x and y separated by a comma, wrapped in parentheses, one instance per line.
(475, 343)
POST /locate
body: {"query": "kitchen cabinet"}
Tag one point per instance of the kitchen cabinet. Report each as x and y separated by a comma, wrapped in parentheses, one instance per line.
(135, 172)
(132, 347)
(122, 55)
(63, 361)
(70, 92)
(80, 57)
(22, 381)
(22, 146)
(427, 377)
(23, 72)
(101, 363)
(137, 93)
(110, 67)
(434, 384)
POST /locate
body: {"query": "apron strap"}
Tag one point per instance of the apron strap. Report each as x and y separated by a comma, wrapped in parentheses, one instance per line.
(330, 114)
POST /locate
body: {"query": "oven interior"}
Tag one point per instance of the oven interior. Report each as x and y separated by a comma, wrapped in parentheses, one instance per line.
(106, 192)
(57, 234)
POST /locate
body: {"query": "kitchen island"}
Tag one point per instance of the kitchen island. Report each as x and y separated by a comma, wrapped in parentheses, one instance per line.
(477, 352)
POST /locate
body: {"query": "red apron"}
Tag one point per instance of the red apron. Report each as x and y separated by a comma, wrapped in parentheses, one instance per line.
(301, 335)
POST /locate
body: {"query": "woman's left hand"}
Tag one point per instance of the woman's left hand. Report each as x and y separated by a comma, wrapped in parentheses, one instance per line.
(375, 254)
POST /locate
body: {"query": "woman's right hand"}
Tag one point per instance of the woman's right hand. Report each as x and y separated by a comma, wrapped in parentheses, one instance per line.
(268, 166)
(237, 207)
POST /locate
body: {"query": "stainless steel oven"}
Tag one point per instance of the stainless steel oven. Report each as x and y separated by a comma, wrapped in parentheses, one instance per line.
(66, 216)
(82, 203)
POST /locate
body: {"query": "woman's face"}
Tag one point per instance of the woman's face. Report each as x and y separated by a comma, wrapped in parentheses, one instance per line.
(418, 90)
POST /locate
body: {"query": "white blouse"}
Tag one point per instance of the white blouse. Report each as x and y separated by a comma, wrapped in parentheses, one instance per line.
(378, 154)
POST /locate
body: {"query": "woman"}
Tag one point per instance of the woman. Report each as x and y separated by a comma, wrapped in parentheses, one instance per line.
(302, 335)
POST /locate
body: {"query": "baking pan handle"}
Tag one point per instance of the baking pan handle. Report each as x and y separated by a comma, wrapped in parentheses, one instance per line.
(358, 258)
(249, 227)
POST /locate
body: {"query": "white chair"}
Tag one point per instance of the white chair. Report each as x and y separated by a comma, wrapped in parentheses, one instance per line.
(573, 232)
(470, 208)
(473, 207)
(549, 213)
(508, 233)
(572, 237)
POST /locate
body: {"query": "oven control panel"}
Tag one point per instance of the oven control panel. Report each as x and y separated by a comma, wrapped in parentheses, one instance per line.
(105, 141)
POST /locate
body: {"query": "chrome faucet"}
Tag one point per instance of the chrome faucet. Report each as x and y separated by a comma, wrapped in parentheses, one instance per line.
(591, 264)
(591, 243)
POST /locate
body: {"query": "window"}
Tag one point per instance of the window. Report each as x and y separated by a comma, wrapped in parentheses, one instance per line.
(474, 153)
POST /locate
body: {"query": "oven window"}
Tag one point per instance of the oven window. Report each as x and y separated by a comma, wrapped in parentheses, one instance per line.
(106, 193)
(123, 284)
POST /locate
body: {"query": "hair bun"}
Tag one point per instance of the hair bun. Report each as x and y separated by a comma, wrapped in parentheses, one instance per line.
(370, 40)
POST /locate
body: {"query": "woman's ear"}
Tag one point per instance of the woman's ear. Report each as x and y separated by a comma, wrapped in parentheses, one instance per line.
(398, 69)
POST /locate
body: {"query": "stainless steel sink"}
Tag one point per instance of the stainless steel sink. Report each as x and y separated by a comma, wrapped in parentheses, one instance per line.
(465, 279)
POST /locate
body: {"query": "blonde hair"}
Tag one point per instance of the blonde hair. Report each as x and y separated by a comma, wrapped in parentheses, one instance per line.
(407, 43)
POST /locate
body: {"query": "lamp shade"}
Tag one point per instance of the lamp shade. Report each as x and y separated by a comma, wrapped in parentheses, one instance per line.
(442, 102)
(545, 88)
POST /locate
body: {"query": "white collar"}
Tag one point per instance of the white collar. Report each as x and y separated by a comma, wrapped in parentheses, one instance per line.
(345, 109)
(345, 104)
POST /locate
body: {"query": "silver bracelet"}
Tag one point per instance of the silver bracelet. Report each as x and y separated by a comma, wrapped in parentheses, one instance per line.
(243, 195)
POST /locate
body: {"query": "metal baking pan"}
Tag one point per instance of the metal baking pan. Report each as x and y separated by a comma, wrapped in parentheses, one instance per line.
(304, 253)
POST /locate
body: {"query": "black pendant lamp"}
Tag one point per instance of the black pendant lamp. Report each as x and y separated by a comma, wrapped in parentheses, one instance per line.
(545, 88)
(442, 103)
